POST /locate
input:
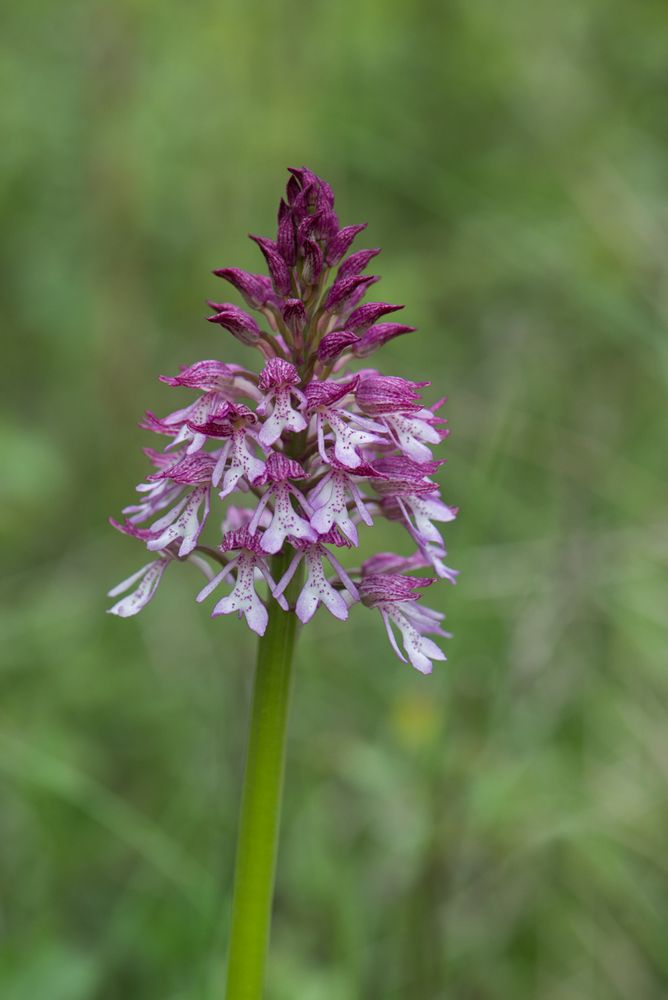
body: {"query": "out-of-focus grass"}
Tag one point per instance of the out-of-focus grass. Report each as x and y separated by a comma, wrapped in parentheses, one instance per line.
(499, 829)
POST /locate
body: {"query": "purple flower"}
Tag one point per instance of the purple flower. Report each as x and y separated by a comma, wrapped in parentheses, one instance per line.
(279, 381)
(147, 578)
(160, 494)
(317, 589)
(394, 595)
(285, 521)
(239, 323)
(182, 524)
(407, 491)
(229, 381)
(434, 553)
(390, 562)
(420, 509)
(243, 599)
(349, 430)
(189, 470)
(331, 499)
(301, 454)
(237, 458)
(222, 384)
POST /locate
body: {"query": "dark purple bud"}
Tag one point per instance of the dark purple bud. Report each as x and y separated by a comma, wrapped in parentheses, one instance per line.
(278, 269)
(292, 190)
(294, 315)
(320, 191)
(357, 262)
(326, 192)
(286, 241)
(343, 289)
(306, 228)
(359, 294)
(369, 313)
(324, 224)
(378, 335)
(341, 241)
(313, 262)
(335, 343)
(239, 323)
(255, 288)
(305, 202)
(321, 226)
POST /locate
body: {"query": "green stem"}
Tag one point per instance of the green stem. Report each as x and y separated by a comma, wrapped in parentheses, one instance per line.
(261, 802)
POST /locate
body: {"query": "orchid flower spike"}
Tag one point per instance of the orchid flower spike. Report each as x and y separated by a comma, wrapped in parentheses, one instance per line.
(315, 449)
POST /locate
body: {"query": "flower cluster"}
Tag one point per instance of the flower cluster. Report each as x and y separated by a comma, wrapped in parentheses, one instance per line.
(315, 449)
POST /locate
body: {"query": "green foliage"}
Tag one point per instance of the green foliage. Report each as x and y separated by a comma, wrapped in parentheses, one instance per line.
(497, 830)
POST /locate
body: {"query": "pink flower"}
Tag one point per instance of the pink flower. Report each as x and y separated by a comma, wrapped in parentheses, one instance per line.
(182, 524)
(285, 521)
(279, 381)
(331, 499)
(349, 431)
(302, 454)
(317, 589)
(158, 495)
(148, 578)
(394, 595)
(243, 599)
(236, 424)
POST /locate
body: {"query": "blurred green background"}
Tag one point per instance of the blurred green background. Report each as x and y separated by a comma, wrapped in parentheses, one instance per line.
(497, 830)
